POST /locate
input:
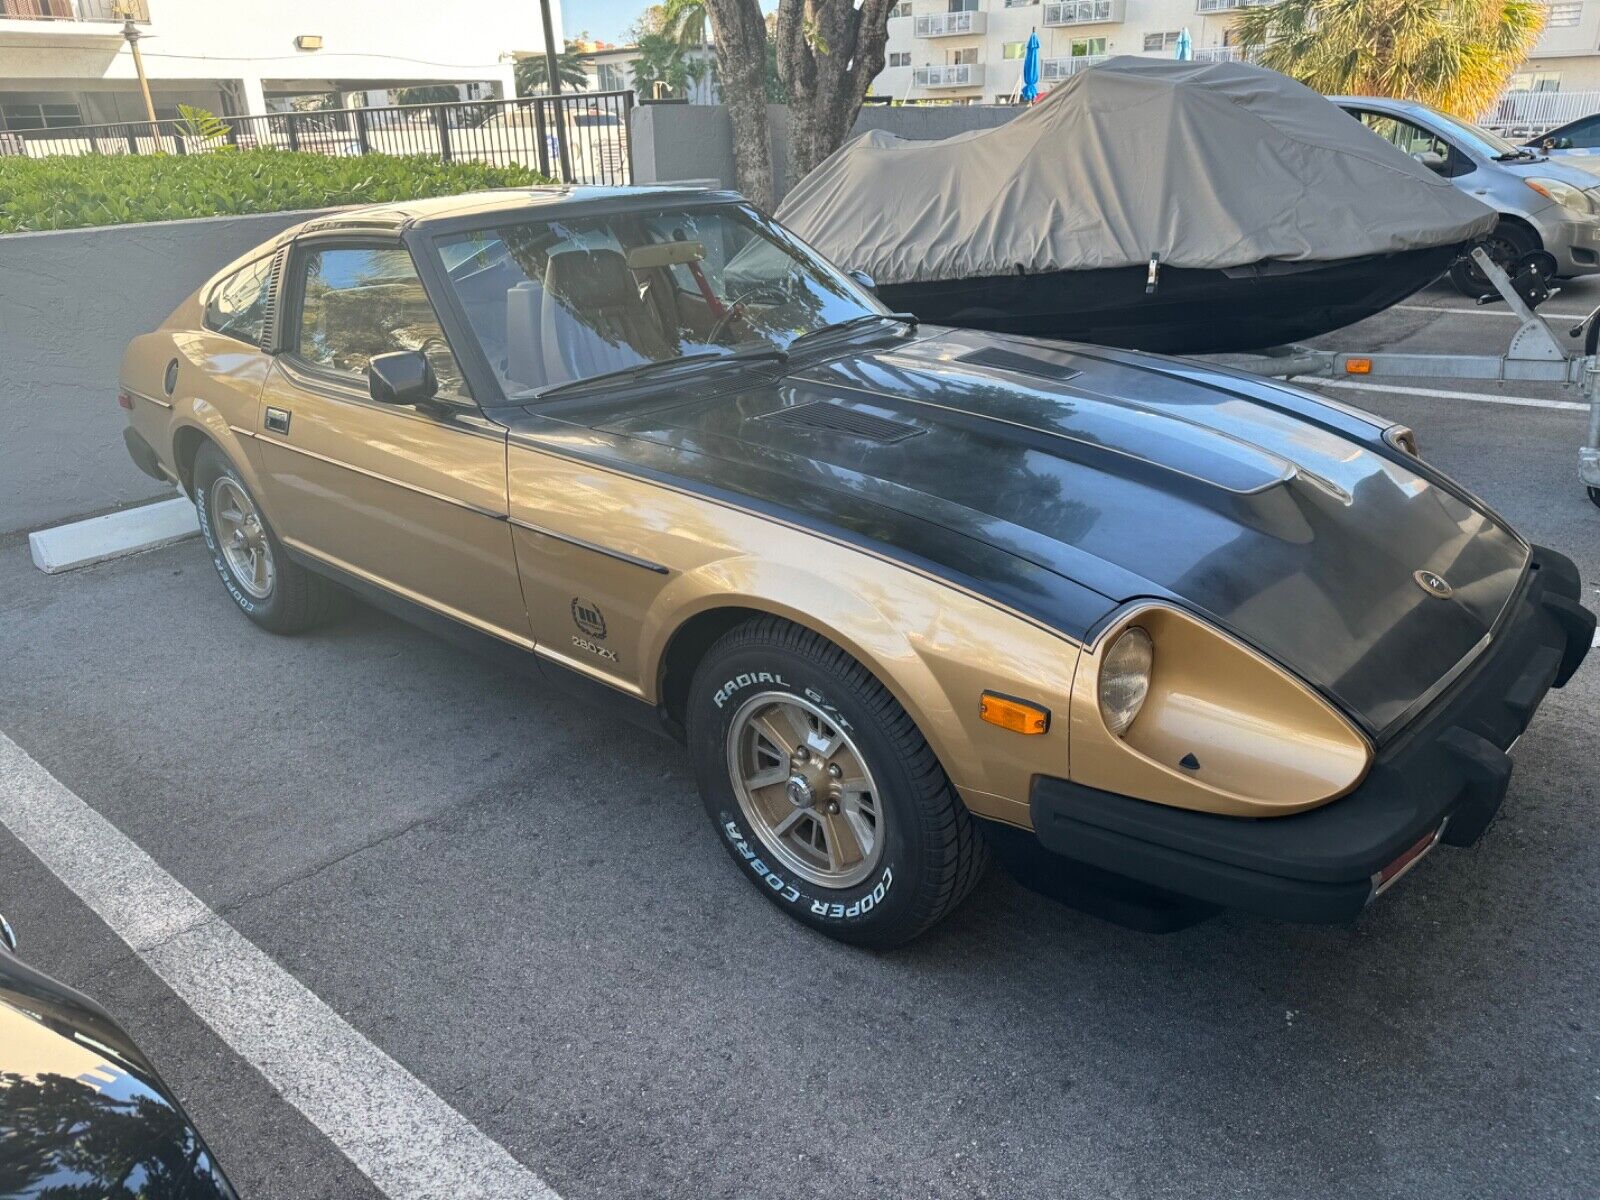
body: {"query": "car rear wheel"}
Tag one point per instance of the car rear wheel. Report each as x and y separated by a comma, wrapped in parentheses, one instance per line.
(273, 591)
(1505, 244)
(823, 790)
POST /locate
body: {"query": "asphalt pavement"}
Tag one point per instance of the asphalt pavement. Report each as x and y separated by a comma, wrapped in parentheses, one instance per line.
(525, 906)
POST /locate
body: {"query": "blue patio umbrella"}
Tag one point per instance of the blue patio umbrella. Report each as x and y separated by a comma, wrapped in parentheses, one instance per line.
(1030, 69)
(1185, 46)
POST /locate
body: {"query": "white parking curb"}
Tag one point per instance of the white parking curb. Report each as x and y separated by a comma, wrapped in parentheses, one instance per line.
(127, 532)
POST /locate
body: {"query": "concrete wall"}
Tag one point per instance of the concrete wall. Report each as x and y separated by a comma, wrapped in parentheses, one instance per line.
(673, 142)
(70, 301)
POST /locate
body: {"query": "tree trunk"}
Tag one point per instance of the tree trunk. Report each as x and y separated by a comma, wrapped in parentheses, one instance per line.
(829, 52)
(741, 36)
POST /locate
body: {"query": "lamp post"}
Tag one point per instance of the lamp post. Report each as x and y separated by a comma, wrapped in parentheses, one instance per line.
(131, 34)
(552, 75)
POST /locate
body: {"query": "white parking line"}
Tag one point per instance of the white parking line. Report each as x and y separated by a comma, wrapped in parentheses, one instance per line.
(1488, 310)
(1443, 394)
(400, 1134)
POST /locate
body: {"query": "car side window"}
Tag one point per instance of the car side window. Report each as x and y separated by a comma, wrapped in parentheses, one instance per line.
(1421, 144)
(1585, 135)
(238, 305)
(360, 301)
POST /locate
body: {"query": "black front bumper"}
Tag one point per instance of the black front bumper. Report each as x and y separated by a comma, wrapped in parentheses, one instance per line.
(1448, 768)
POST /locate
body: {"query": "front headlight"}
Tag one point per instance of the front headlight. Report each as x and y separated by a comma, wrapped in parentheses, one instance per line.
(1125, 678)
(1170, 709)
(1564, 194)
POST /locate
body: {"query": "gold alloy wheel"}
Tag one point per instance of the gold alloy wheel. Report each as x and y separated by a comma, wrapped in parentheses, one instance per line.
(805, 790)
(241, 538)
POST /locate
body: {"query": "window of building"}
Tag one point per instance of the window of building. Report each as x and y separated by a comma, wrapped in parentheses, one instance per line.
(1021, 3)
(612, 77)
(238, 305)
(959, 58)
(358, 302)
(1160, 41)
(1535, 81)
(899, 58)
(1012, 49)
(1564, 14)
(956, 6)
(1083, 46)
(903, 9)
(39, 116)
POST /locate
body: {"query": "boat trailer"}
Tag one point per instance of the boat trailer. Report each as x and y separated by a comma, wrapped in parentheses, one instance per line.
(1536, 354)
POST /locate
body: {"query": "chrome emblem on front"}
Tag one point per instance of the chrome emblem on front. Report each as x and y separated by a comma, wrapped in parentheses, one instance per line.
(1433, 584)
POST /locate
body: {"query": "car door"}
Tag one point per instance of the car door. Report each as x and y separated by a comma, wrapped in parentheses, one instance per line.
(411, 498)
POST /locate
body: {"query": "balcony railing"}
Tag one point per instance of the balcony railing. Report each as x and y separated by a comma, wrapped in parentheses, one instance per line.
(1225, 54)
(1086, 12)
(951, 24)
(959, 75)
(1216, 6)
(106, 11)
(1064, 68)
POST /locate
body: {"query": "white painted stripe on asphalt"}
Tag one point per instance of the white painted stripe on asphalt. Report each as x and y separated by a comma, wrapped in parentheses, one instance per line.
(401, 1135)
(83, 543)
(1442, 394)
(1488, 310)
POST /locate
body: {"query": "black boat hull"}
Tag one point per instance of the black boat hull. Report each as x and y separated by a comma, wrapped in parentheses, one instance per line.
(1190, 311)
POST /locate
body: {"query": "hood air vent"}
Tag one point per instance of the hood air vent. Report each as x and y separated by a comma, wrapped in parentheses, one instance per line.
(1023, 364)
(836, 418)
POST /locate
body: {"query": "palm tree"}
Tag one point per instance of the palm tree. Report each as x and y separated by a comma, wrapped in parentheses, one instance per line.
(532, 76)
(687, 21)
(662, 61)
(1456, 55)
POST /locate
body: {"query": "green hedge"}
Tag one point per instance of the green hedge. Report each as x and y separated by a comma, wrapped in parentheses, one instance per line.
(67, 193)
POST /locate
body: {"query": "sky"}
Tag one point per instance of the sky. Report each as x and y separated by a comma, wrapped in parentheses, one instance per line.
(609, 20)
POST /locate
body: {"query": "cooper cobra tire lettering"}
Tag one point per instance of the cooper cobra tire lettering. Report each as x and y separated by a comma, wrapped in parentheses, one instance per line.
(789, 893)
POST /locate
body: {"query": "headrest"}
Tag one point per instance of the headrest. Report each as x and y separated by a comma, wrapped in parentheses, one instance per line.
(591, 279)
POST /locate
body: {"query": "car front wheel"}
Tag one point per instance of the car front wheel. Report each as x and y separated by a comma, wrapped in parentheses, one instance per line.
(273, 591)
(822, 789)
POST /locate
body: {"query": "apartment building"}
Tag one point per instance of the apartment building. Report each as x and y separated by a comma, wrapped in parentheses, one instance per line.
(970, 51)
(66, 62)
(1567, 56)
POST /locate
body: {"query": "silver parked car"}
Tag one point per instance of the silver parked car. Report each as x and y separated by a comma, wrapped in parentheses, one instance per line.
(1543, 205)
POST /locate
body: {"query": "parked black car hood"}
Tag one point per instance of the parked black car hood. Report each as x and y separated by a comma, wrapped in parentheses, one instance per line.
(82, 1111)
(1066, 480)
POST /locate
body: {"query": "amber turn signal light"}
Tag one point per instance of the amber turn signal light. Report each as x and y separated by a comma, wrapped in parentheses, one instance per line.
(1016, 715)
(1358, 366)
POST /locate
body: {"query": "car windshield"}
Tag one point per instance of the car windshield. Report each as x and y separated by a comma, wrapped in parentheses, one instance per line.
(564, 299)
(1481, 140)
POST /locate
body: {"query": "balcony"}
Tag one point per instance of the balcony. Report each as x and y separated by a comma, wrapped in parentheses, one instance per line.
(952, 24)
(1052, 69)
(1086, 12)
(1222, 6)
(83, 21)
(961, 75)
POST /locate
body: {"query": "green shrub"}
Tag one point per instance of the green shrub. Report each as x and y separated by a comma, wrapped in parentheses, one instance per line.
(68, 192)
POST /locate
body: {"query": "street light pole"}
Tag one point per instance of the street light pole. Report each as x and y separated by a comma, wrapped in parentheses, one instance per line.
(131, 33)
(552, 75)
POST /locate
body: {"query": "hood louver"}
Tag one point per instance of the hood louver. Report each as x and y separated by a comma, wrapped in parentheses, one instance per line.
(836, 418)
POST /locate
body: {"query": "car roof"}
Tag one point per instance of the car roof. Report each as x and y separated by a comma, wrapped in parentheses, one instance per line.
(1413, 106)
(409, 214)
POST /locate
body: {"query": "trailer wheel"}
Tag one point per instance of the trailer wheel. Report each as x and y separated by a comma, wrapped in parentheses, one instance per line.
(1505, 244)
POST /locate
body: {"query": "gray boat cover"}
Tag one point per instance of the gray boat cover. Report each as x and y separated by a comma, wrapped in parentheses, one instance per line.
(1199, 164)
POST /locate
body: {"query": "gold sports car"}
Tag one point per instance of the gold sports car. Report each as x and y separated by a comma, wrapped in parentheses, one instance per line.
(1161, 637)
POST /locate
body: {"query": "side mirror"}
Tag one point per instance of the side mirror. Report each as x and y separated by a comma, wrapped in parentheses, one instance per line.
(1435, 162)
(864, 280)
(404, 377)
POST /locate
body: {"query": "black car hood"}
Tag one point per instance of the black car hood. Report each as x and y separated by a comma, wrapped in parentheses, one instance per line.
(1065, 480)
(82, 1111)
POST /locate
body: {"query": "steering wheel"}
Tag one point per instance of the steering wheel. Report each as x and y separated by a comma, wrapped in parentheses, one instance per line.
(732, 310)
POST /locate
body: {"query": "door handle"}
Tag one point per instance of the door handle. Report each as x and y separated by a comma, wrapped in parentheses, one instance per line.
(277, 420)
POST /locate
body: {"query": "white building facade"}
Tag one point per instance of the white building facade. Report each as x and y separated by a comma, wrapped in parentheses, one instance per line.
(970, 51)
(66, 62)
(611, 70)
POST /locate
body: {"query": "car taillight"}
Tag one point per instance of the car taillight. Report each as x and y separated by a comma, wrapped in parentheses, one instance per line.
(125, 398)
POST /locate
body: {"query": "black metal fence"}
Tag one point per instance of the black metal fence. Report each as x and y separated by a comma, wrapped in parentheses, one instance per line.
(575, 137)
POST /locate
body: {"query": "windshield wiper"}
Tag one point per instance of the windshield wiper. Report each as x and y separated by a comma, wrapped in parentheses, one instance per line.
(824, 332)
(643, 369)
(1513, 155)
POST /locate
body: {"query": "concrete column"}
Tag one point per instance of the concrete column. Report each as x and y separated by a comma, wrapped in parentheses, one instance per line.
(255, 100)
